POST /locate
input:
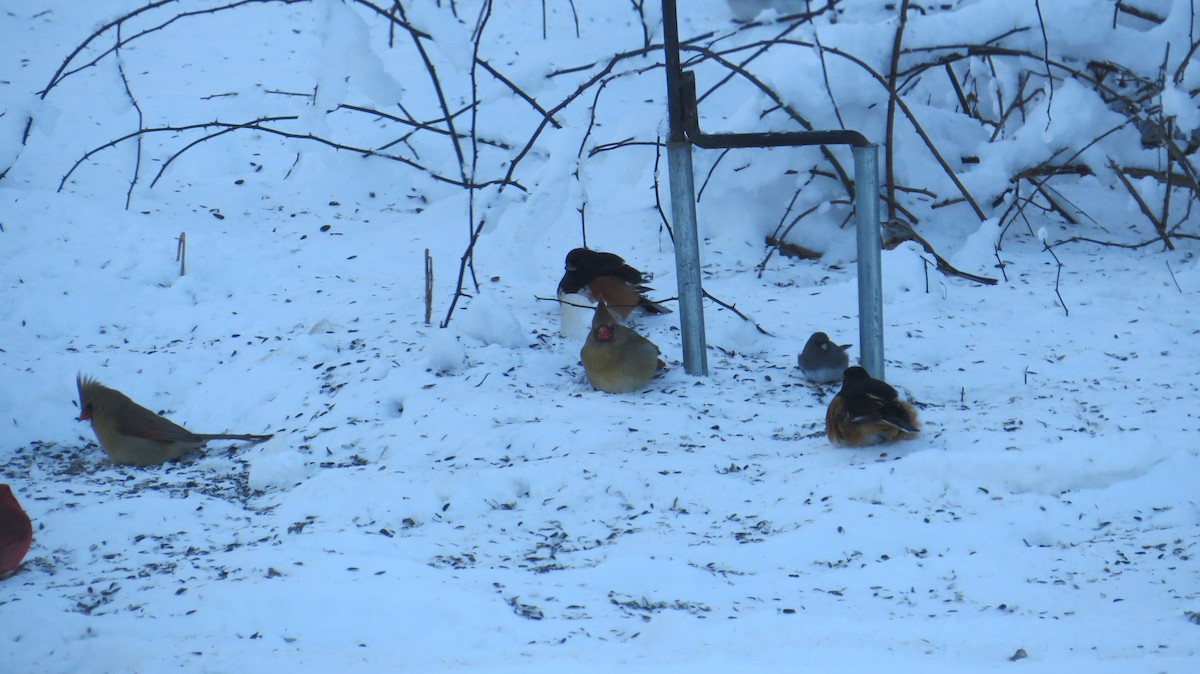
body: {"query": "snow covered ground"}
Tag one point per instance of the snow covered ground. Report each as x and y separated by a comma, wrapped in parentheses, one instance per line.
(460, 499)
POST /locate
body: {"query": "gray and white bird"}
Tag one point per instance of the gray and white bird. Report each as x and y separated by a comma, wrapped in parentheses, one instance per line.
(822, 361)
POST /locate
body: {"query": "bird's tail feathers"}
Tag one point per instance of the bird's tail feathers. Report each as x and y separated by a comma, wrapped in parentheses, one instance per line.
(652, 307)
(224, 436)
(900, 418)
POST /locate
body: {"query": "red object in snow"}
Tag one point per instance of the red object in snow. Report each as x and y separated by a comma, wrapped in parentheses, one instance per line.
(16, 531)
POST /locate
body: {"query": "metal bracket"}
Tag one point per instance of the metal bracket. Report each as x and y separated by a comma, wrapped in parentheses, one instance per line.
(684, 117)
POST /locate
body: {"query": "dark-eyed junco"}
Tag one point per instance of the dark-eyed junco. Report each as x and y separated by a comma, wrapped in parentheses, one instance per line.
(604, 276)
(822, 361)
(16, 531)
(868, 411)
(131, 434)
(617, 359)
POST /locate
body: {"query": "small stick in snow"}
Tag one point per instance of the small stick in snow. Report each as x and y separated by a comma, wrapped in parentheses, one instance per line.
(428, 288)
(181, 253)
(1173, 277)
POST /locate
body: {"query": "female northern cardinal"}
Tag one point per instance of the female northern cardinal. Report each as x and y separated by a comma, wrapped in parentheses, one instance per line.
(16, 531)
(617, 359)
(131, 434)
(867, 412)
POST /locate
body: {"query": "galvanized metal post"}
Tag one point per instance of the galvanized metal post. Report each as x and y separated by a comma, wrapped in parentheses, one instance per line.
(683, 207)
(685, 132)
(687, 258)
(870, 266)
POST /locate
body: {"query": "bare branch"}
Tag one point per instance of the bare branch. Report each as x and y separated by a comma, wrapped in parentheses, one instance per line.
(1159, 225)
(889, 150)
(137, 163)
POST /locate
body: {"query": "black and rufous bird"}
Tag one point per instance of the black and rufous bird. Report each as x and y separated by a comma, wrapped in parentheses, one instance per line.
(605, 276)
(615, 358)
(867, 412)
(133, 435)
(822, 361)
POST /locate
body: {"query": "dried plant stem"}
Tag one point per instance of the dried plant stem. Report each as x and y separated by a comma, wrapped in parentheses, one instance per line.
(181, 253)
(428, 288)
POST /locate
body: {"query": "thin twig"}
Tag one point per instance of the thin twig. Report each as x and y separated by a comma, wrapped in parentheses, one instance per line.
(466, 263)
(137, 162)
(837, 110)
(519, 92)
(711, 170)
(1037, 4)
(1173, 279)
(257, 125)
(1057, 279)
(665, 222)
(1159, 226)
(890, 145)
(592, 117)
(776, 242)
(929, 144)
(734, 309)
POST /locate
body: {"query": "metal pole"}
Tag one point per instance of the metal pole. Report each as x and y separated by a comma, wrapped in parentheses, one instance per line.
(870, 276)
(674, 70)
(687, 258)
(684, 132)
(683, 207)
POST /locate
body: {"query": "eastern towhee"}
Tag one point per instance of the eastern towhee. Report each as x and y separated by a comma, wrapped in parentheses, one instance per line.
(605, 277)
(867, 412)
